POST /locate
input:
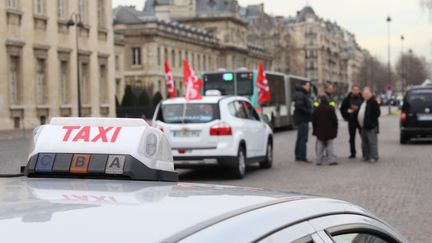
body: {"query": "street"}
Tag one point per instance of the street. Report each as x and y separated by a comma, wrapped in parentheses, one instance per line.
(397, 188)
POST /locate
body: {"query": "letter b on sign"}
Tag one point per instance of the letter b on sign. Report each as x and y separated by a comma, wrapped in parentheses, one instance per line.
(115, 164)
(80, 163)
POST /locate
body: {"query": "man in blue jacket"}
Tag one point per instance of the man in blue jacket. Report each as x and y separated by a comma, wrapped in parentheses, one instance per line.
(302, 116)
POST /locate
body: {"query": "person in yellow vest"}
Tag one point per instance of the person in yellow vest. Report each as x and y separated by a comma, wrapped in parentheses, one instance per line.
(328, 90)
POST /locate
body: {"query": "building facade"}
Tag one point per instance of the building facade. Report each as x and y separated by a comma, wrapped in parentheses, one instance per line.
(307, 45)
(273, 33)
(39, 53)
(329, 52)
(208, 38)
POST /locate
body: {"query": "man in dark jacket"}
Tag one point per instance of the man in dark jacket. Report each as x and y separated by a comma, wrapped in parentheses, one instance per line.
(302, 116)
(325, 127)
(368, 119)
(349, 110)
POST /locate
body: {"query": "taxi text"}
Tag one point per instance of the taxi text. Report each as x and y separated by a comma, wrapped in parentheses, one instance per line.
(82, 133)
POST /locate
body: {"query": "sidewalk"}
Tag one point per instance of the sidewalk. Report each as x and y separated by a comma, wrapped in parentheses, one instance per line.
(15, 134)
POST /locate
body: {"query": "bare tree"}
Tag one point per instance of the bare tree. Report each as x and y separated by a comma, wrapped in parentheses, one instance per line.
(412, 68)
(374, 73)
(274, 34)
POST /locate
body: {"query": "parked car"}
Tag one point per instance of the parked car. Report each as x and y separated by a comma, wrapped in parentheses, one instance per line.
(215, 130)
(416, 114)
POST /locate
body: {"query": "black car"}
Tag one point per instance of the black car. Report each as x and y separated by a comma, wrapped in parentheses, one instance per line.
(416, 116)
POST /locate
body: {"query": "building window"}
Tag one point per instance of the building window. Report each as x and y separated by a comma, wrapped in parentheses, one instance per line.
(173, 58)
(159, 56)
(166, 54)
(101, 13)
(82, 8)
(180, 59)
(17, 122)
(12, 4)
(199, 61)
(64, 82)
(40, 81)
(61, 9)
(39, 7)
(85, 87)
(136, 56)
(13, 79)
(193, 60)
(117, 63)
(205, 63)
(103, 97)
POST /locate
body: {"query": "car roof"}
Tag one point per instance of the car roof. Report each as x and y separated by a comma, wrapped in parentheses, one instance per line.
(61, 209)
(420, 88)
(205, 99)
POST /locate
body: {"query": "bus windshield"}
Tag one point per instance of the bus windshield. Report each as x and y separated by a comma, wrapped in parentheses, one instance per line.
(225, 83)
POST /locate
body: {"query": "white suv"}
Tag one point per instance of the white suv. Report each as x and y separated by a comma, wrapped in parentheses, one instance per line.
(226, 131)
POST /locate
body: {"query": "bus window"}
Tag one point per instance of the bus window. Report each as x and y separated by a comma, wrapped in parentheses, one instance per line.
(277, 89)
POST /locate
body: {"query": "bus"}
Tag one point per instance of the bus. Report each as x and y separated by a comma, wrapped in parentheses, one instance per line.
(279, 110)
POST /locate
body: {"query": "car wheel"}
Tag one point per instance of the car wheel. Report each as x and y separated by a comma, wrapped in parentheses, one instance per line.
(268, 162)
(239, 167)
(404, 139)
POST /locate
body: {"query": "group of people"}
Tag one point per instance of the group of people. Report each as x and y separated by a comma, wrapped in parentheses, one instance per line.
(360, 109)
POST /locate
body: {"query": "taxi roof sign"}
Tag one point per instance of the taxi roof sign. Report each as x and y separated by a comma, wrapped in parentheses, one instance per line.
(101, 148)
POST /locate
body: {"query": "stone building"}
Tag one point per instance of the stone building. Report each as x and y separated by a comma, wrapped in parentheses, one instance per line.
(307, 45)
(209, 34)
(273, 33)
(39, 57)
(329, 52)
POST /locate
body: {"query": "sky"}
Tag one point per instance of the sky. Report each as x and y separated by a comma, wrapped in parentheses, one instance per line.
(365, 18)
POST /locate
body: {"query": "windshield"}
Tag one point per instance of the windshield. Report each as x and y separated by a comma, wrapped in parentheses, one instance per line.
(189, 113)
(225, 83)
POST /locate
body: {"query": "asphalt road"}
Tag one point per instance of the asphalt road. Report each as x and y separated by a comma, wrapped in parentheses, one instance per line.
(398, 188)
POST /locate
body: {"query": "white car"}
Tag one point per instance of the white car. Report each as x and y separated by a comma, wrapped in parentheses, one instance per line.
(219, 130)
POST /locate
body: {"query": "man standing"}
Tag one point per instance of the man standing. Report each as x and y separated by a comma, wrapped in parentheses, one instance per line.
(325, 127)
(349, 110)
(368, 120)
(328, 90)
(302, 116)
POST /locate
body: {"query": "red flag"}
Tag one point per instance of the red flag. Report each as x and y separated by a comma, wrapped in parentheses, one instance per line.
(262, 85)
(172, 92)
(192, 82)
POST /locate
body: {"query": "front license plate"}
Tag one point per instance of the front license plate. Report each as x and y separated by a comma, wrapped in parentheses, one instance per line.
(424, 117)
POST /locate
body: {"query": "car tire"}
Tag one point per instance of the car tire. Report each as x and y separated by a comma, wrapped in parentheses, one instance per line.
(404, 139)
(268, 162)
(238, 168)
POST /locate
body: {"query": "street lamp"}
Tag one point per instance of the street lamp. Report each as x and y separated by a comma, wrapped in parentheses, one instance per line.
(75, 20)
(388, 60)
(402, 63)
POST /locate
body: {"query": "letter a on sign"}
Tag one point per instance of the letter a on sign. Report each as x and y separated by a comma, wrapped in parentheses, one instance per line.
(115, 164)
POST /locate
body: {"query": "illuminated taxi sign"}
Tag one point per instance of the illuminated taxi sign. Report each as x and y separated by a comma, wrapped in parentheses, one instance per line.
(101, 148)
